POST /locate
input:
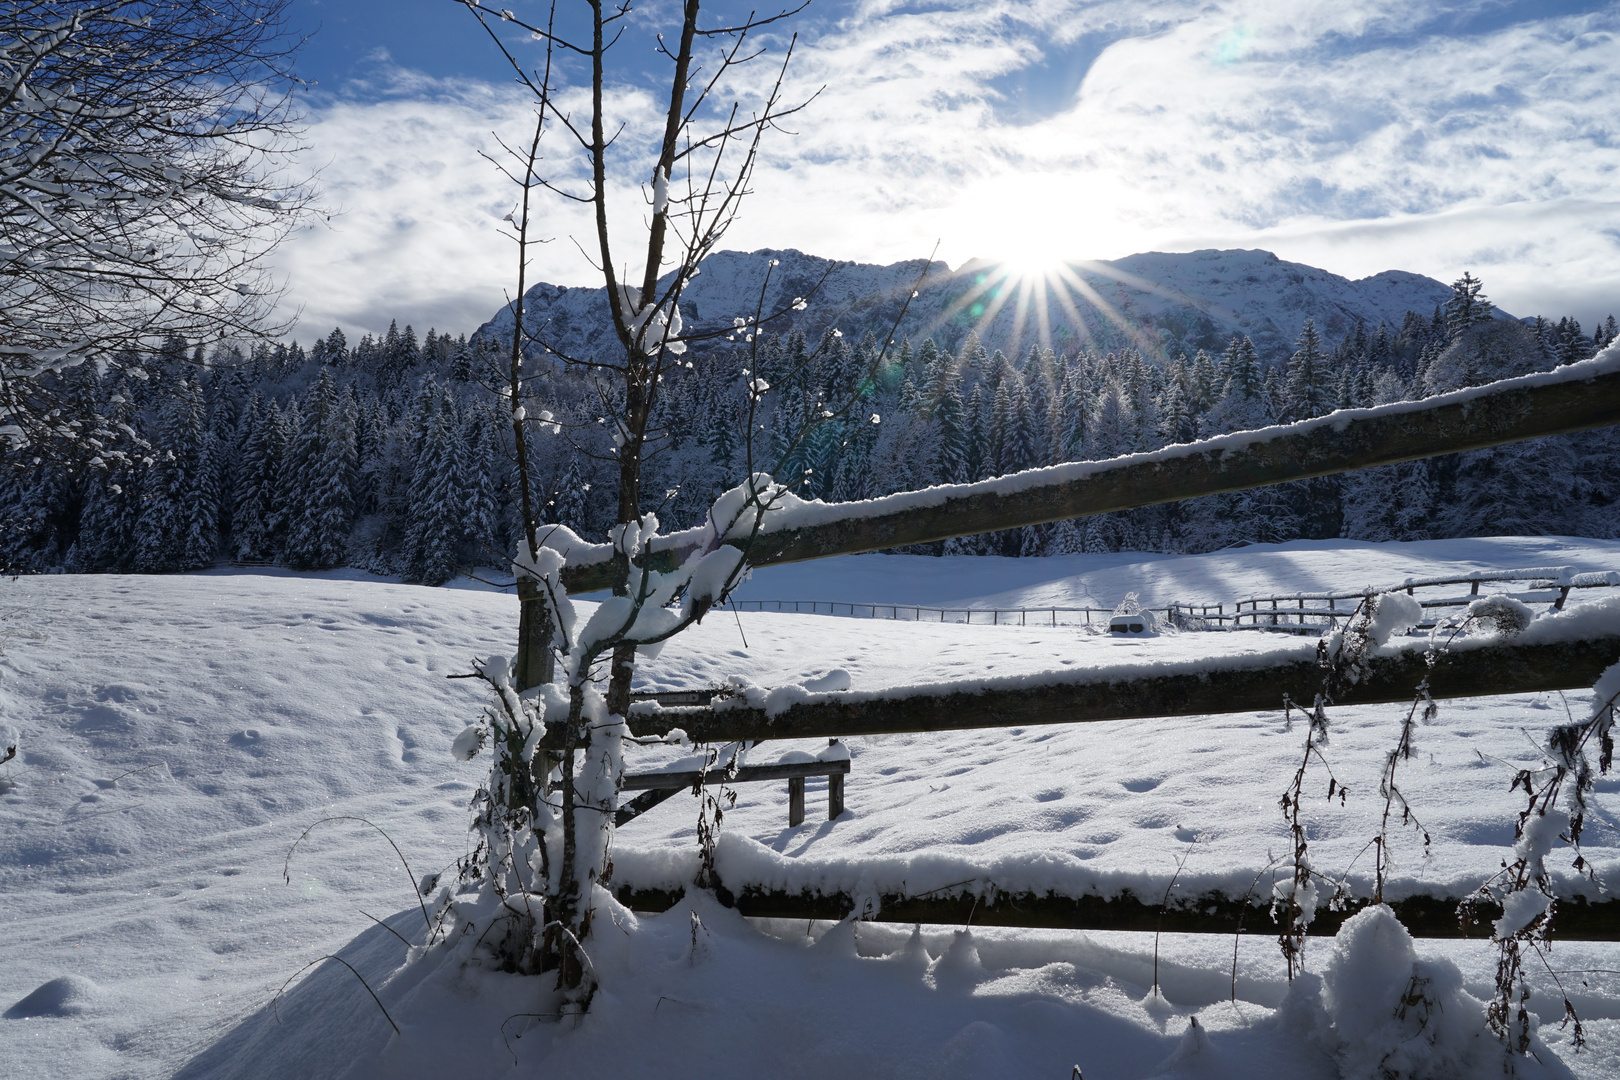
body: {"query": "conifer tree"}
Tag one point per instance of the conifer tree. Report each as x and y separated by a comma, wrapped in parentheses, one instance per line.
(256, 482)
(435, 525)
(1308, 390)
(325, 460)
(476, 485)
(1467, 306)
(172, 530)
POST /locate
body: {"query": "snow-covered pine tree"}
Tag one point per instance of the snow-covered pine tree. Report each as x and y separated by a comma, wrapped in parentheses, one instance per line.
(950, 433)
(434, 530)
(1309, 388)
(476, 487)
(171, 533)
(326, 460)
(1467, 306)
(257, 486)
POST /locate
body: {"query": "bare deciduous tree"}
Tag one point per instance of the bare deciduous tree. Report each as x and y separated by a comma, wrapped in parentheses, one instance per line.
(546, 816)
(143, 179)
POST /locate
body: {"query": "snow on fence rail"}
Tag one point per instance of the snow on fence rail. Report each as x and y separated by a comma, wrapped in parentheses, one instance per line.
(1548, 585)
(1565, 650)
(1576, 397)
(1209, 912)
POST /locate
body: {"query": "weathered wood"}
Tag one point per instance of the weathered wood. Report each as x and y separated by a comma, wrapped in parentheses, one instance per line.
(535, 664)
(628, 812)
(795, 802)
(1209, 913)
(1514, 410)
(1476, 671)
(835, 796)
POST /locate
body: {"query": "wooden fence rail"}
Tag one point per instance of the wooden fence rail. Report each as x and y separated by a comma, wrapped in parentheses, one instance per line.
(1573, 398)
(1222, 685)
(1208, 913)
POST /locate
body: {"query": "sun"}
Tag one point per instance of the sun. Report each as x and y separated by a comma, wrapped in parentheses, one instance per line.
(1031, 263)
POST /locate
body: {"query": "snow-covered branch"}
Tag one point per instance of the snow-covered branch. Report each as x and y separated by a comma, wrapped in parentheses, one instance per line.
(143, 158)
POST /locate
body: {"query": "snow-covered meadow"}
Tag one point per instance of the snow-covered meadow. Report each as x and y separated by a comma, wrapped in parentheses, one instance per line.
(178, 734)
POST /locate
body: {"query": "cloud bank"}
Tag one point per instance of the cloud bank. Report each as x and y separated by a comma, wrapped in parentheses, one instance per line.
(1355, 136)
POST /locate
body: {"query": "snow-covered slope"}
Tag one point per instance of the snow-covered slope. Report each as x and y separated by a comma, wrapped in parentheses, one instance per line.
(179, 733)
(1160, 302)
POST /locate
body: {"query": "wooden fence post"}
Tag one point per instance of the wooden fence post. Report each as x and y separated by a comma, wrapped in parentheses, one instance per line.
(795, 802)
(835, 791)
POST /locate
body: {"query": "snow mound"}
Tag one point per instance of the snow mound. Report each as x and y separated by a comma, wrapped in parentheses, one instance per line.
(1389, 1014)
(66, 995)
(1393, 613)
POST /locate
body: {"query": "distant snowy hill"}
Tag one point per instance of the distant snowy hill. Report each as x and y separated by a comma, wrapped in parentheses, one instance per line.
(1158, 302)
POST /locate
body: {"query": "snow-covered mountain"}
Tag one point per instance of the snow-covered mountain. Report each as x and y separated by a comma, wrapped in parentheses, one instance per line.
(1160, 302)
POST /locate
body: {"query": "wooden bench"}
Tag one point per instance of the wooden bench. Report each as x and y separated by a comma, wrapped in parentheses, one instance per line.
(655, 787)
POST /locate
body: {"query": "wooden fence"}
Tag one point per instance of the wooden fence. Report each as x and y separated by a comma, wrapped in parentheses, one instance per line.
(1551, 661)
(1577, 398)
(1295, 612)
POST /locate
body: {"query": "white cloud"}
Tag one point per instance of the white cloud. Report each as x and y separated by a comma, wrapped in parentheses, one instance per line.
(1339, 134)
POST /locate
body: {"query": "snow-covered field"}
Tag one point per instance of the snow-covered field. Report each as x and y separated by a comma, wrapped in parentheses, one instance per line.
(179, 733)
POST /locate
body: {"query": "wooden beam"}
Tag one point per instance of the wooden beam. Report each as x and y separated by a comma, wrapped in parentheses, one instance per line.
(1226, 685)
(794, 770)
(1577, 398)
(1209, 913)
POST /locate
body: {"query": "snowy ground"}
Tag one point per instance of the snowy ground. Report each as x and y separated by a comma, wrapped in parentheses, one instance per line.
(178, 734)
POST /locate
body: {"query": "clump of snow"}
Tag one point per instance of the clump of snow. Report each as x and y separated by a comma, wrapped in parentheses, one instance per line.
(834, 680)
(1501, 614)
(1524, 906)
(710, 575)
(836, 751)
(961, 965)
(1606, 689)
(1388, 1014)
(468, 743)
(1392, 613)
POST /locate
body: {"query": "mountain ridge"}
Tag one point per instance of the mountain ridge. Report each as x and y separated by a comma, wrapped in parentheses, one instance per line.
(1163, 303)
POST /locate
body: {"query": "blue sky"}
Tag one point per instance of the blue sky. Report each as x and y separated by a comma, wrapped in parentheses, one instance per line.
(1436, 137)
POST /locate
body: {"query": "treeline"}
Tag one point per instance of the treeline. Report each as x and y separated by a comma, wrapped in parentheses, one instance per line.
(396, 455)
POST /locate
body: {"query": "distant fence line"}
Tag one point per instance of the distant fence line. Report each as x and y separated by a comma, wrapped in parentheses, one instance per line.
(1308, 613)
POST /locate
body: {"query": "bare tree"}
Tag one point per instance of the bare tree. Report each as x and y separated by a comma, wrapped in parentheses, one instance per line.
(699, 169)
(547, 816)
(143, 179)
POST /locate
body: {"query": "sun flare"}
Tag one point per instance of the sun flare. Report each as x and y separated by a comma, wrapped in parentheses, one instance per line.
(1032, 264)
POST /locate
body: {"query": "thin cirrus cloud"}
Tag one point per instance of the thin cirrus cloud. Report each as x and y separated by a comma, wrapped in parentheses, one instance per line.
(1358, 137)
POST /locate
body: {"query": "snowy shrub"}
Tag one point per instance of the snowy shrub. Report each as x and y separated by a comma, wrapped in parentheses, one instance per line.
(1557, 793)
(1502, 615)
(1384, 1014)
(544, 816)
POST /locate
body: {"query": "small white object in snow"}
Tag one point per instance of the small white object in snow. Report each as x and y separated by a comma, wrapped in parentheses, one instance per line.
(1130, 620)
